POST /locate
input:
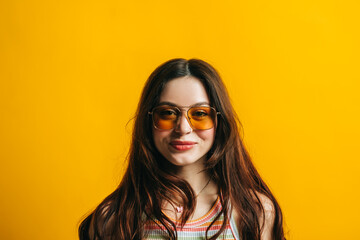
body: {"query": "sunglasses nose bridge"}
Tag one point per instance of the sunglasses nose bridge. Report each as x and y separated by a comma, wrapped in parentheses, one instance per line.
(183, 125)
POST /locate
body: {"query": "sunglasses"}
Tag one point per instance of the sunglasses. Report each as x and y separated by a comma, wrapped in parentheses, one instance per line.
(166, 117)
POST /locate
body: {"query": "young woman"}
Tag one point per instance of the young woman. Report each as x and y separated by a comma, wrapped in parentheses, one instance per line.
(189, 174)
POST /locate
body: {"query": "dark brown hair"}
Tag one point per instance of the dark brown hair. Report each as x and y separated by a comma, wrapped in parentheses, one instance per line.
(142, 190)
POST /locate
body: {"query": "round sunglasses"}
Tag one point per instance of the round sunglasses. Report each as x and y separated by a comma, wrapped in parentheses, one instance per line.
(166, 117)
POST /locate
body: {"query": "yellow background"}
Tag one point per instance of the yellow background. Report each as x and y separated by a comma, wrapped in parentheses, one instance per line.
(71, 74)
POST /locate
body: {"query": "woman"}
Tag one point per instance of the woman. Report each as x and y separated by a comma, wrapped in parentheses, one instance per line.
(189, 174)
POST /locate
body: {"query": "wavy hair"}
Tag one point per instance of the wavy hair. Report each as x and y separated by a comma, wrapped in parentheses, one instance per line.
(142, 191)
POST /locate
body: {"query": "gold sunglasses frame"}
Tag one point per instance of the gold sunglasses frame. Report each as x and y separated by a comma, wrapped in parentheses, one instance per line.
(187, 116)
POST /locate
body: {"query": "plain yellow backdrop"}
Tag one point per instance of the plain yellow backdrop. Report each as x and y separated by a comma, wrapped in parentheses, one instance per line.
(71, 73)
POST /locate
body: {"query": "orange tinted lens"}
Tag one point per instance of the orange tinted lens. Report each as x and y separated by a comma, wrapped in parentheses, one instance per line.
(165, 117)
(202, 118)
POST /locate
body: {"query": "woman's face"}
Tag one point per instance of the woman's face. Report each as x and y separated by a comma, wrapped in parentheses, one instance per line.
(183, 145)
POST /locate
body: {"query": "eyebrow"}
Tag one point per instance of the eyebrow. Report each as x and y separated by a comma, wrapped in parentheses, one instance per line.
(193, 105)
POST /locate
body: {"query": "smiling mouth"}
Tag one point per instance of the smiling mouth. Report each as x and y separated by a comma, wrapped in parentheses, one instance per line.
(182, 145)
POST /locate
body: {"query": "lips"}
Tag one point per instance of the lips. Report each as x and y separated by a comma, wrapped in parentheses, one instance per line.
(182, 145)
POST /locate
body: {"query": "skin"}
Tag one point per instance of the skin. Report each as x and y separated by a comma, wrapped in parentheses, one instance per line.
(187, 91)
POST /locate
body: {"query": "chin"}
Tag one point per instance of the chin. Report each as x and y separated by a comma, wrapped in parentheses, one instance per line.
(181, 162)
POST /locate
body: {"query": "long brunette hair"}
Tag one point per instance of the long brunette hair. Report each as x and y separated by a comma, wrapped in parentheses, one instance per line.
(142, 191)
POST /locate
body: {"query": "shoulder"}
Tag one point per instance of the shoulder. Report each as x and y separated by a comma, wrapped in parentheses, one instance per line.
(266, 217)
(267, 204)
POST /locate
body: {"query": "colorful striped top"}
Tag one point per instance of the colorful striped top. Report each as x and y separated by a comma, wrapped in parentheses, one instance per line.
(195, 229)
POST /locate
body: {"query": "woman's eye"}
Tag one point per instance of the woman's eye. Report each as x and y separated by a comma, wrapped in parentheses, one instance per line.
(167, 112)
(199, 114)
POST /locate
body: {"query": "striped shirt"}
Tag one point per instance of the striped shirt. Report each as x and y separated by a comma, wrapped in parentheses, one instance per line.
(195, 229)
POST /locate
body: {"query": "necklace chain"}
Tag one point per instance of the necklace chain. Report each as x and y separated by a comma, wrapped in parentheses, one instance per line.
(203, 188)
(180, 208)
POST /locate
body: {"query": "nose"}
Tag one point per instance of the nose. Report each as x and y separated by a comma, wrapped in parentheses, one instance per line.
(183, 126)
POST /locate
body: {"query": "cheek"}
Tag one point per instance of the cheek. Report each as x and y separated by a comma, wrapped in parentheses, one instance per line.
(207, 135)
(160, 135)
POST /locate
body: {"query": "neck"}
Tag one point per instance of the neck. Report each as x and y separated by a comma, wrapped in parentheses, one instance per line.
(196, 177)
(205, 190)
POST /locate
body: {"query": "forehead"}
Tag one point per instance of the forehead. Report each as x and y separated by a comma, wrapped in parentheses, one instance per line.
(184, 91)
